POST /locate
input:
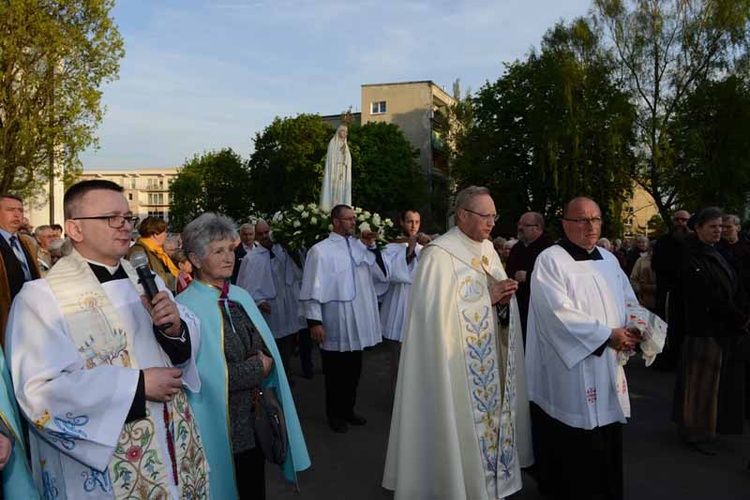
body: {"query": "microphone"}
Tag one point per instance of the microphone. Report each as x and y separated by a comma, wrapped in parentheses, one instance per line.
(146, 278)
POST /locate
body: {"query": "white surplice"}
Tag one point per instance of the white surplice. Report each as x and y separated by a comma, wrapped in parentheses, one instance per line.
(275, 281)
(76, 412)
(460, 426)
(337, 289)
(396, 298)
(573, 308)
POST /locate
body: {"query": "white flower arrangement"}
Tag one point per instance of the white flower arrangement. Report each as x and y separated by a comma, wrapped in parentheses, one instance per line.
(304, 225)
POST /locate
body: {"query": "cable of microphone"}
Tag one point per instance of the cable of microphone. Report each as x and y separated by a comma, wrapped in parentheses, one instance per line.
(146, 278)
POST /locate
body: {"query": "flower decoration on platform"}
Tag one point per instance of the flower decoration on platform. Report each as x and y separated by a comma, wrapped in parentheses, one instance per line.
(302, 226)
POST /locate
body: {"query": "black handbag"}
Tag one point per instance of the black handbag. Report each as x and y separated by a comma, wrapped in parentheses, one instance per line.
(270, 426)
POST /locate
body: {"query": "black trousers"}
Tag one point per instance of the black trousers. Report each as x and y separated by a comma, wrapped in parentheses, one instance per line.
(305, 352)
(576, 463)
(342, 371)
(286, 348)
(250, 474)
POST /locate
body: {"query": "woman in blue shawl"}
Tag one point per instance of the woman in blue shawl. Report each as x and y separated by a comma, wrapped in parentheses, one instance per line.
(237, 355)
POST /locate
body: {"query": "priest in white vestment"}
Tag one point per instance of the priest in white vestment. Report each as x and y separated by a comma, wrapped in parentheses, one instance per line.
(99, 369)
(577, 325)
(339, 301)
(269, 275)
(460, 424)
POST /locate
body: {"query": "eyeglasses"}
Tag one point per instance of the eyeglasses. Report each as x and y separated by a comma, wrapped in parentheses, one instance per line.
(484, 217)
(114, 221)
(682, 219)
(594, 221)
(528, 225)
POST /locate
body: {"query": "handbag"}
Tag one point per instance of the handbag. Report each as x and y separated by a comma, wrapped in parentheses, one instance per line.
(270, 425)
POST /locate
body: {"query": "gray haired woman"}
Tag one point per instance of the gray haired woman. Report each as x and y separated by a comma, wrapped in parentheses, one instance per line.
(237, 358)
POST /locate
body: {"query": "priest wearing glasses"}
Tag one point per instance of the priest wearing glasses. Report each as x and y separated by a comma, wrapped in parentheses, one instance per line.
(100, 370)
(578, 314)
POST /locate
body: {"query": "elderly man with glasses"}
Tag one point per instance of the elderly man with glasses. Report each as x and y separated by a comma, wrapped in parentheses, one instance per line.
(578, 313)
(460, 424)
(99, 368)
(520, 263)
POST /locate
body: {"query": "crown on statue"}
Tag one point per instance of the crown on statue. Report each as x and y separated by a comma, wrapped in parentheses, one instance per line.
(347, 118)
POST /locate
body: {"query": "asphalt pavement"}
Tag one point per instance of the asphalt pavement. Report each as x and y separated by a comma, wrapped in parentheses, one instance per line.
(657, 466)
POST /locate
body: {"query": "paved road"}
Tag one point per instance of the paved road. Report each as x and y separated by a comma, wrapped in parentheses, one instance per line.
(657, 466)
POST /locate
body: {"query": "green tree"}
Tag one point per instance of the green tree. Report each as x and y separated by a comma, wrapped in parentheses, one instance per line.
(709, 137)
(288, 162)
(386, 177)
(451, 130)
(216, 181)
(551, 128)
(54, 57)
(664, 49)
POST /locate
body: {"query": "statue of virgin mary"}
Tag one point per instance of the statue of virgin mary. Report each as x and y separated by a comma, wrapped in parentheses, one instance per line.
(337, 177)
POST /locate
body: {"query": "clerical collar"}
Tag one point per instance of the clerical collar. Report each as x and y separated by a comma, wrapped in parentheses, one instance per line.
(579, 253)
(105, 273)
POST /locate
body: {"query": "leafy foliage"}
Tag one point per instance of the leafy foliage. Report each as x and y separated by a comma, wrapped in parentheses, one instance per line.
(54, 57)
(386, 177)
(551, 128)
(664, 50)
(711, 149)
(287, 165)
(212, 182)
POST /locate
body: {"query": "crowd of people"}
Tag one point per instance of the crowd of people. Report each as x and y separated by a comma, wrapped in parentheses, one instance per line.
(505, 355)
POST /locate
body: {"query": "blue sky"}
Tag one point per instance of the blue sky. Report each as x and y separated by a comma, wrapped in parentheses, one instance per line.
(200, 75)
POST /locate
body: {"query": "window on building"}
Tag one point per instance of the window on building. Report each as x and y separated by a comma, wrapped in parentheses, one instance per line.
(130, 196)
(156, 213)
(156, 198)
(377, 108)
(132, 183)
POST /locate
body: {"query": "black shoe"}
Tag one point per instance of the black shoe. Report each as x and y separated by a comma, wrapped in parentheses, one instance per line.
(355, 419)
(338, 425)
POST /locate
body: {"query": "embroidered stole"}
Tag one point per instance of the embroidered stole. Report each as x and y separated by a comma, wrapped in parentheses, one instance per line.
(137, 467)
(492, 393)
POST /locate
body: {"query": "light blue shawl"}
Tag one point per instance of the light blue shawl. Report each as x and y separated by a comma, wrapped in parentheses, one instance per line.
(210, 406)
(17, 480)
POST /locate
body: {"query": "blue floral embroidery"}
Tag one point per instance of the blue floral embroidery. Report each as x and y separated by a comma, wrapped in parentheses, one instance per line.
(96, 479)
(482, 367)
(507, 430)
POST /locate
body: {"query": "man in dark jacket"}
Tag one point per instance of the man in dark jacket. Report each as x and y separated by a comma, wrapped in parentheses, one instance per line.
(247, 238)
(666, 261)
(520, 263)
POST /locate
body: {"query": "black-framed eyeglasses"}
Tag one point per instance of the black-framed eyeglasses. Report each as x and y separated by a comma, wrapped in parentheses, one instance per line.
(114, 221)
(528, 225)
(585, 220)
(485, 217)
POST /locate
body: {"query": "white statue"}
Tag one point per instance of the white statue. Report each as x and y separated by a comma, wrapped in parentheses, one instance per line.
(337, 177)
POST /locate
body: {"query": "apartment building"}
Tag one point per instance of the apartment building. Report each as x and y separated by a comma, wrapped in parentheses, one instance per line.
(147, 189)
